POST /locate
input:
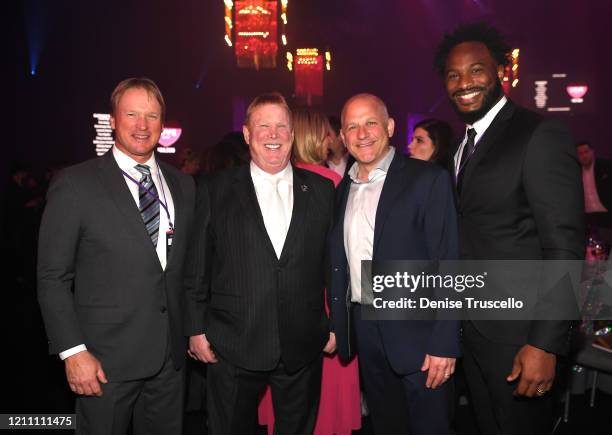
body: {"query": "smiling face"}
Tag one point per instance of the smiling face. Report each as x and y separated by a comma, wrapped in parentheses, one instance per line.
(137, 123)
(366, 129)
(421, 147)
(473, 80)
(269, 135)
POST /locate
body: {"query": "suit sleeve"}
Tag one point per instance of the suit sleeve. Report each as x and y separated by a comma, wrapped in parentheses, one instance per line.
(442, 244)
(197, 268)
(57, 248)
(553, 186)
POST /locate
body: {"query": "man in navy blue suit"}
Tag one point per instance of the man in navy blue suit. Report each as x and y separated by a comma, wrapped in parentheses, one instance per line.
(391, 207)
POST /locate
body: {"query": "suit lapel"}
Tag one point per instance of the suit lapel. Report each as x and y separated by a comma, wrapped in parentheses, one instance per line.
(177, 200)
(392, 187)
(342, 193)
(114, 181)
(490, 137)
(301, 194)
(245, 192)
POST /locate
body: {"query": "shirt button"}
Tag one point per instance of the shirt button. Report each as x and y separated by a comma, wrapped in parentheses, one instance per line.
(163, 309)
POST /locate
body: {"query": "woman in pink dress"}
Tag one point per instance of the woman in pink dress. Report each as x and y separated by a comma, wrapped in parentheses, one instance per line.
(340, 406)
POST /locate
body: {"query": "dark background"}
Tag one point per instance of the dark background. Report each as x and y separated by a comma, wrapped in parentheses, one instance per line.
(82, 49)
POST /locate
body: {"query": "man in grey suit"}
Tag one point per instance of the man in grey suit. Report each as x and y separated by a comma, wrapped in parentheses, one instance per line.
(111, 250)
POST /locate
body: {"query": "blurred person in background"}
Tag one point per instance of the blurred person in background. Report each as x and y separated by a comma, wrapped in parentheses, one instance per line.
(597, 182)
(190, 162)
(229, 152)
(338, 157)
(432, 140)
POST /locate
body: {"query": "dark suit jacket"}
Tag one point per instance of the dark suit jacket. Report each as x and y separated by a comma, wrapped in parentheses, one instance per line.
(522, 199)
(253, 307)
(100, 282)
(415, 220)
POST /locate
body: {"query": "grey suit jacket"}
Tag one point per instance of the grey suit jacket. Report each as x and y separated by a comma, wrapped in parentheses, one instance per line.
(100, 281)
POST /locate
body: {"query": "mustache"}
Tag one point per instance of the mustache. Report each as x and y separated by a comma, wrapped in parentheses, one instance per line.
(468, 91)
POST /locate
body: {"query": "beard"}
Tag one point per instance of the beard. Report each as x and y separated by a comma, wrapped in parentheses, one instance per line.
(490, 98)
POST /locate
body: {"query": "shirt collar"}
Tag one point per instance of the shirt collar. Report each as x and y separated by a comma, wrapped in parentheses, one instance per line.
(381, 167)
(483, 123)
(126, 163)
(258, 174)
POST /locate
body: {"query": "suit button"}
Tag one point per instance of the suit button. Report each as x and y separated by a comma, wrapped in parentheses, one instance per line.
(335, 299)
(336, 269)
(163, 309)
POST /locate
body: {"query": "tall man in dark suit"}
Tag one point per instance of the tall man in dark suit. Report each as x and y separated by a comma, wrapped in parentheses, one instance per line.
(391, 207)
(256, 287)
(110, 270)
(519, 198)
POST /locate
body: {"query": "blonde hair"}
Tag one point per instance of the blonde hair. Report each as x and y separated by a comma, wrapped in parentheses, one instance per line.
(310, 129)
(265, 99)
(137, 82)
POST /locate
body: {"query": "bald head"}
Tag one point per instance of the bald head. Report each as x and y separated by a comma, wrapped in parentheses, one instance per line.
(366, 129)
(364, 97)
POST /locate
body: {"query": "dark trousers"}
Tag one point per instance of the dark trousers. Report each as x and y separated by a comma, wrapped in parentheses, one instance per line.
(234, 393)
(153, 405)
(398, 403)
(498, 412)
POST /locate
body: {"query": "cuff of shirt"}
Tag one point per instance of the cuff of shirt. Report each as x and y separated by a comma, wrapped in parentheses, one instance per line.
(73, 350)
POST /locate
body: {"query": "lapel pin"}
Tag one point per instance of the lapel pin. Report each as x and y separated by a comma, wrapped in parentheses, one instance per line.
(304, 188)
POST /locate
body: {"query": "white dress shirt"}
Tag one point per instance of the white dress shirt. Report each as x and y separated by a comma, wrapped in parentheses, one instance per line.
(480, 126)
(360, 218)
(276, 222)
(592, 202)
(127, 164)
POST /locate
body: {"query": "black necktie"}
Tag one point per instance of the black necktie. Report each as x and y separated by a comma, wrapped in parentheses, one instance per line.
(468, 150)
(149, 206)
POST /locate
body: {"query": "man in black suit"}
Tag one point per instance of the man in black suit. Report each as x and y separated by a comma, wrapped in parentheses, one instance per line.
(519, 198)
(597, 181)
(110, 270)
(256, 285)
(391, 207)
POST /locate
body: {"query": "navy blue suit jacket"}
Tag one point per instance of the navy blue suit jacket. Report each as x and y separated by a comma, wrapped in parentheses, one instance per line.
(415, 220)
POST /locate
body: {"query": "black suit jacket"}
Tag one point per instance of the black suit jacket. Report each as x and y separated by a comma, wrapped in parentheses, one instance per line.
(415, 220)
(100, 281)
(522, 199)
(253, 307)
